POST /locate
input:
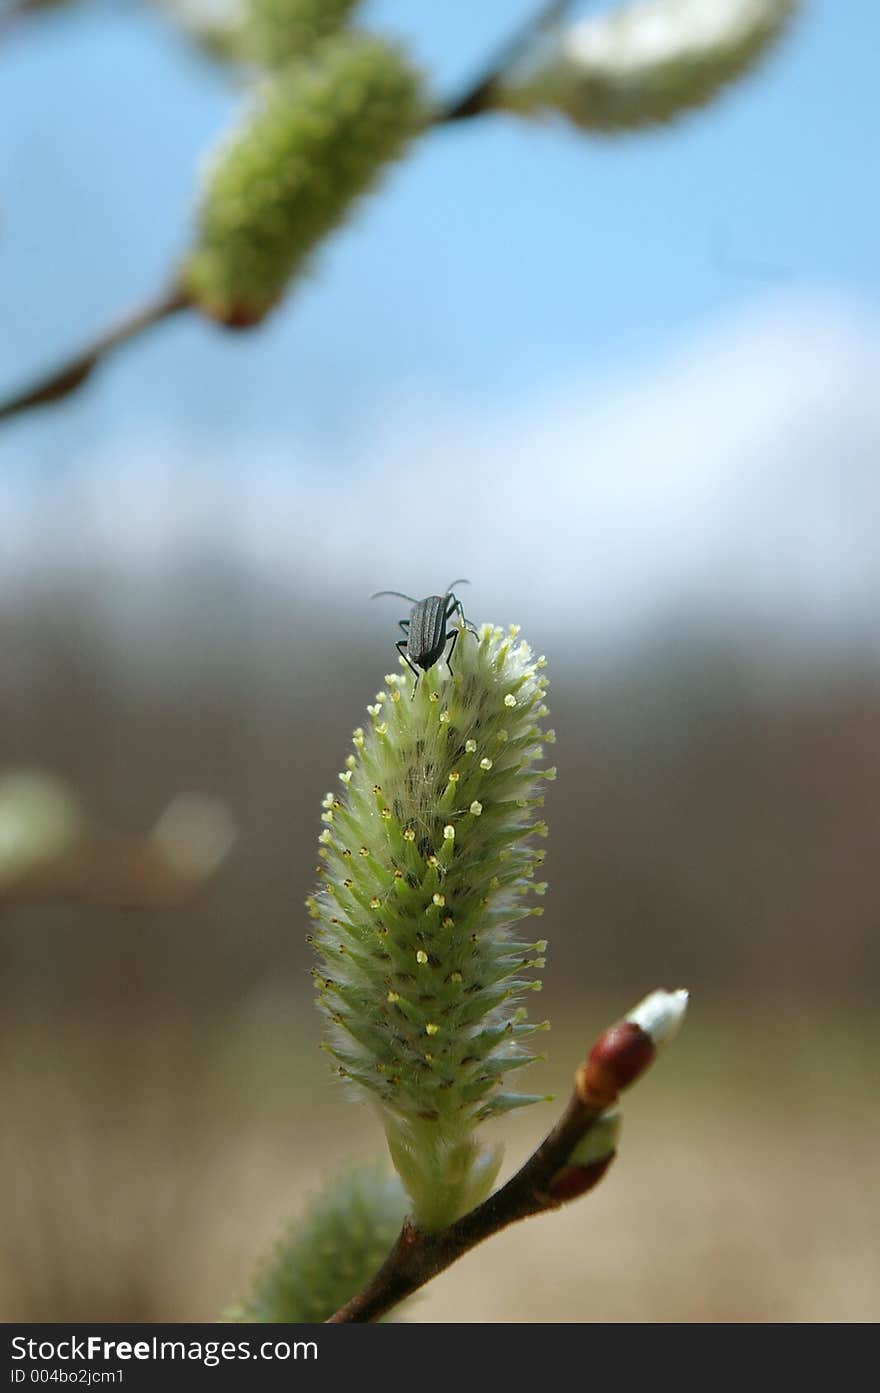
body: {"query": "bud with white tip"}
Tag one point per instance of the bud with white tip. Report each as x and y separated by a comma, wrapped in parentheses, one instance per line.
(625, 1050)
(660, 1015)
(643, 63)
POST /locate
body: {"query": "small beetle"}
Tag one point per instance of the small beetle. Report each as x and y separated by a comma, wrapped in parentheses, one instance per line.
(425, 629)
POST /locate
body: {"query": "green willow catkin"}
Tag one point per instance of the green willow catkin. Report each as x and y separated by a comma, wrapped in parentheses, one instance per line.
(318, 136)
(276, 31)
(427, 867)
(326, 1257)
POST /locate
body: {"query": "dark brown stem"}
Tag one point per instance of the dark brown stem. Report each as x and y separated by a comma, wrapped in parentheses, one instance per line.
(543, 1183)
(477, 96)
(72, 374)
(17, 10)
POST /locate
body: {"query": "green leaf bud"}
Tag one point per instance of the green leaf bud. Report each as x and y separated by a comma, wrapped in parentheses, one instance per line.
(318, 136)
(427, 869)
(325, 1258)
(643, 63)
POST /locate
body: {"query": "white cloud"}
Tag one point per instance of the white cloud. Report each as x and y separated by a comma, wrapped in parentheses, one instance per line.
(739, 470)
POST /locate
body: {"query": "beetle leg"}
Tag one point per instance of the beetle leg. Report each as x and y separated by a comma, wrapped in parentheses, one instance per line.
(458, 608)
(455, 633)
(403, 624)
(400, 645)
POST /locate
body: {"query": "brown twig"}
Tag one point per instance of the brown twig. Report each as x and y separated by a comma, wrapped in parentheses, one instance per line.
(128, 872)
(55, 850)
(551, 1177)
(17, 10)
(477, 96)
(71, 375)
(418, 1256)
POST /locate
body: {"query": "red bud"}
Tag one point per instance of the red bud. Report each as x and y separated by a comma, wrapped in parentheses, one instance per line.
(573, 1181)
(621, 1054)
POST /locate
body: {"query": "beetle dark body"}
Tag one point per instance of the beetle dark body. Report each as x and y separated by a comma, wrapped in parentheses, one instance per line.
(426, 631)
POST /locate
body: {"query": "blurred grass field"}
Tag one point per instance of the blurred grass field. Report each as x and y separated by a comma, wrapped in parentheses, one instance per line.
(146, 1171)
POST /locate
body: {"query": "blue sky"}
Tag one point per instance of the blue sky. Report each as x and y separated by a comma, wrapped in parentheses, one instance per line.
(509, 277)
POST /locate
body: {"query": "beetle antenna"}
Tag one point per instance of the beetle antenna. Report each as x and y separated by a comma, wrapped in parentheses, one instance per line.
(453, 583)
(398, 594)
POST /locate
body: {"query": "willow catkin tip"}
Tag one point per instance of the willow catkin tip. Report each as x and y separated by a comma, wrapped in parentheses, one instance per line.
(274, 32)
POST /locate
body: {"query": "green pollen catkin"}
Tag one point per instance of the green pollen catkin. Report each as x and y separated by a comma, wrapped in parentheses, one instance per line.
(276, 31)
(426, 881)
(318, 136)
(326, 1257)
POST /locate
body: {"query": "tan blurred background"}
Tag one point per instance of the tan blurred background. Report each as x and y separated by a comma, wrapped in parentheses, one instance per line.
(529, 363)
(165, 1102)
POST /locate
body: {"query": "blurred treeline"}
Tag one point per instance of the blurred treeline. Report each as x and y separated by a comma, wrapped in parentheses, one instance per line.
(714, 819)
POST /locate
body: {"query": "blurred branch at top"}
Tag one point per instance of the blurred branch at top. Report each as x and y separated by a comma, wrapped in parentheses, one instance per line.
(332, 106)
(13, 11)
(50, 848)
